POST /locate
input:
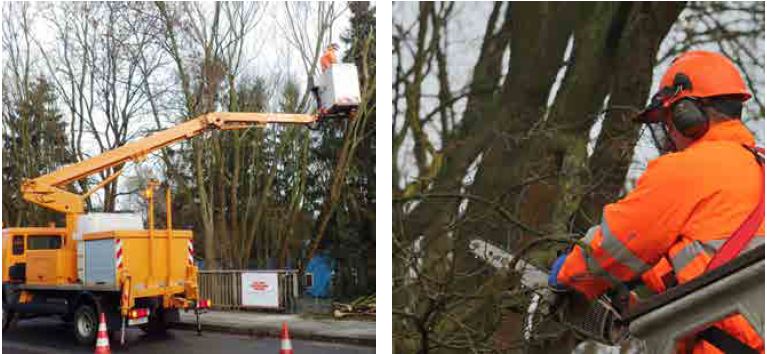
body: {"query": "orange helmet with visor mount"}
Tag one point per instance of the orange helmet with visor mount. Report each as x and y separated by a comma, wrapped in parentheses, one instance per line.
(689, 83)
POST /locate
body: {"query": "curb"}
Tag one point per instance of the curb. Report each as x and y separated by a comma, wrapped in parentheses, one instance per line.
(275, 333)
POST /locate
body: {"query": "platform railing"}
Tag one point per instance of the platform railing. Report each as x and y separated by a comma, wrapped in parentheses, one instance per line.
(737, 287)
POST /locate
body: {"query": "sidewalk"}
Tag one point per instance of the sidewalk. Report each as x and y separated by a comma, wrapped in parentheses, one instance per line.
(266, 324)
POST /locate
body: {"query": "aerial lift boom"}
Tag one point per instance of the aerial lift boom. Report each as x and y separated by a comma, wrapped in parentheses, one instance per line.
(49, 190)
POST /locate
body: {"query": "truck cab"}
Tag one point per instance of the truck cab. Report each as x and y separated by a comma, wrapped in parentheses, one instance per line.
(36, 255)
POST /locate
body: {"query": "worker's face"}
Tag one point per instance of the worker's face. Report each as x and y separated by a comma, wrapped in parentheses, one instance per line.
(667, 139)
(664, 134)
(661, 137)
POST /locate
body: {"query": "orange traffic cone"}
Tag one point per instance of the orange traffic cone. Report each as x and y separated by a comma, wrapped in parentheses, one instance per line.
(285, 346)
(102, 338)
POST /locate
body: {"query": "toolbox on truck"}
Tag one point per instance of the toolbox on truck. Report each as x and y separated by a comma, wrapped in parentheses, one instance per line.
(101, 222)
(100, 262)
(150, 266)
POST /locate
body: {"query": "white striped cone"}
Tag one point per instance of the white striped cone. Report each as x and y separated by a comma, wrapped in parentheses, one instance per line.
(190, 252)
(285, 346)
(102, 338)
(119, 253)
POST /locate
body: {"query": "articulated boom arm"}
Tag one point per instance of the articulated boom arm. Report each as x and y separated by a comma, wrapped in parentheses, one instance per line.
(48, 190)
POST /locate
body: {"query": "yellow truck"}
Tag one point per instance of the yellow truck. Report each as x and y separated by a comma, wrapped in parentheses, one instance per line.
(109, 262)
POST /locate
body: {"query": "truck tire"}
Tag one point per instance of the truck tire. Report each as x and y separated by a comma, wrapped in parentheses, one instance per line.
(9, 318)
(86, 324)
(157, 324)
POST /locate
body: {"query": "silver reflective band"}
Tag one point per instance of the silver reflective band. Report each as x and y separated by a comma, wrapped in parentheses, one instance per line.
(686, 255)
(619, 252)
(694, 249)
(596, 271)
(591, 264)
(590, 235)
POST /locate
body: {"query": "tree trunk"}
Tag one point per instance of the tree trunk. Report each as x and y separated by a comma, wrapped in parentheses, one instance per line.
(532, 157)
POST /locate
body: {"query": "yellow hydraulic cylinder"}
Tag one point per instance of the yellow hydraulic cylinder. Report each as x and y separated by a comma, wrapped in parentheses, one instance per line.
(150, 199)
(169, 227)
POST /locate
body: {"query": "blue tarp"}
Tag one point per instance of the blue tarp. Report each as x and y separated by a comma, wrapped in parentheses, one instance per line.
(321, 270)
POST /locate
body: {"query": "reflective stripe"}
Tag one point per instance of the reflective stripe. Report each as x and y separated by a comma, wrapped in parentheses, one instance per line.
(591, 264)
(688, 254)
(694, 249)
(596, 270)
(620, 252)
(590, 235)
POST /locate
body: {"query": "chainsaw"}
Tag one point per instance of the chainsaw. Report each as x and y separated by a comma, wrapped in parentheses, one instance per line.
(600, 320)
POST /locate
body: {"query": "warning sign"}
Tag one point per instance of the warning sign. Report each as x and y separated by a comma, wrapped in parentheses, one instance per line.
(260, 290)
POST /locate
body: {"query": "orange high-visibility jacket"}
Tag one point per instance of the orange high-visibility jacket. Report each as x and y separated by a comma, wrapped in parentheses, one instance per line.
(328, 59)
(683, 208)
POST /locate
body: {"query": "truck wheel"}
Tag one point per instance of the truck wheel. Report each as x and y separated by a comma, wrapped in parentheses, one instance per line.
(9, 318)
(86, 324)
(156, 325)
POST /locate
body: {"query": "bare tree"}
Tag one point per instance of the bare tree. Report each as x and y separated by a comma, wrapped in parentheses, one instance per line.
(310, 41)
(95, 65)
(204, 81)
(519, 150)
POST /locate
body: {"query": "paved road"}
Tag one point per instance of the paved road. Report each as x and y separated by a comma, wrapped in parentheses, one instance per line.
(51, 336)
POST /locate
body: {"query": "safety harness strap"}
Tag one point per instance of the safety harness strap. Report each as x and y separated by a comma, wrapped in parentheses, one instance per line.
(725, 342)
(743, 235)
(729, 250)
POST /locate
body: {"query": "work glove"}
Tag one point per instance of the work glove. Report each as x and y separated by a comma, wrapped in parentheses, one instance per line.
(555, 268)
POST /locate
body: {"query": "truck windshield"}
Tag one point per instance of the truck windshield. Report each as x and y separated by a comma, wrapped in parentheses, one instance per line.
(44, 242)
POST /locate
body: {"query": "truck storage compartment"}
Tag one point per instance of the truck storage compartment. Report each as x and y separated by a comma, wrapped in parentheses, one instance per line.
(101, 222)
(149, 266)
(100, 264)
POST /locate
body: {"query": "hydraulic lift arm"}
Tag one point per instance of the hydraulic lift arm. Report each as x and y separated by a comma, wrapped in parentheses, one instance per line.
(49, 190)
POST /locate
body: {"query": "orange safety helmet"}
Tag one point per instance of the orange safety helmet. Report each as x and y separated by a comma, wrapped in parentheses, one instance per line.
(695, 74)
(693, 78)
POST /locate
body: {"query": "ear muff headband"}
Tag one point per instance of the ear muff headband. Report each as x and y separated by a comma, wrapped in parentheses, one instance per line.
(687, 115)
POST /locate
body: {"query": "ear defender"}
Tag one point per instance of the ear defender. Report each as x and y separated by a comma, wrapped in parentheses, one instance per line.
(689, 118)
(686, 114)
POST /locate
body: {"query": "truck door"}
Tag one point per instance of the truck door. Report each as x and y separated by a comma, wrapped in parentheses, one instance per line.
(43, 259)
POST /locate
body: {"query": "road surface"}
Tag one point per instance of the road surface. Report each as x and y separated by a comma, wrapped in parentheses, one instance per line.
(45, 335)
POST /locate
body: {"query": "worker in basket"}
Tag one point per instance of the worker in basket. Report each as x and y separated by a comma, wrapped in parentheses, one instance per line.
(707, 187)
(329, 57)
(326, 61)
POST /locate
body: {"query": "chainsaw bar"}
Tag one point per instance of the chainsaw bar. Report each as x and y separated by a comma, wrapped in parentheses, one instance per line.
(601, 321)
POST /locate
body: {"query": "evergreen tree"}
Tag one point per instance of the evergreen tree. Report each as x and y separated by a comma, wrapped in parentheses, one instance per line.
(35, 143)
